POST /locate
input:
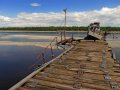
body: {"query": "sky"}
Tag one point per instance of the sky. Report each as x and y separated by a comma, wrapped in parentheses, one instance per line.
(25, 13)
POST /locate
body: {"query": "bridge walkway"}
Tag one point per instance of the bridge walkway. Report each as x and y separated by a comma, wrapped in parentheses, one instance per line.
(87, 66)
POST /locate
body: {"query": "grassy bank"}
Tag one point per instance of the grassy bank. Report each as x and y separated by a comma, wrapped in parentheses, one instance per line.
(56, 28)
(45, 28)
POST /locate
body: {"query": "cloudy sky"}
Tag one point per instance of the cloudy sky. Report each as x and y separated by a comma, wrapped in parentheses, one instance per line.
(23, 13)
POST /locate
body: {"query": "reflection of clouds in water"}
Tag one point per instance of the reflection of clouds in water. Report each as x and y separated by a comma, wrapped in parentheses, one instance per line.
(15, 60)
(113, 37)
(21, 40)
(113, 40)
(39, 44)
(117, 52)
(19, 53)
(24, 40)
(28, 36)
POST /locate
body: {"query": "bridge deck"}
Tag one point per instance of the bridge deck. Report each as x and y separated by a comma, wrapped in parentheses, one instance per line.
(63, 42)
(87, 66)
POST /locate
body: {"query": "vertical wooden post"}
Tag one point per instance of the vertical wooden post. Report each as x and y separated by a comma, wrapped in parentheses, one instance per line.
(56, 41)
(64, 34)
(43, 58)
(52, 54)
(113, 36)
(61, 36)
(65, 10)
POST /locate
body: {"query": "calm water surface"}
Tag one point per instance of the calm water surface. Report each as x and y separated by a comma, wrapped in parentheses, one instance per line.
(117, 52)
(79, 34)
(115, 38)
(16, 62)
(75, 34)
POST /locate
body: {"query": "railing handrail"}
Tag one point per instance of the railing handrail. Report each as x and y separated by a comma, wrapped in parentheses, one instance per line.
(42, 54)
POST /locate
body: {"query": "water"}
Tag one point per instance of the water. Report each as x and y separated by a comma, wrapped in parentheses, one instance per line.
(78, 34)
(16, 62)
(116, 50)
(29, 33)
(113, 37)
(23, 39)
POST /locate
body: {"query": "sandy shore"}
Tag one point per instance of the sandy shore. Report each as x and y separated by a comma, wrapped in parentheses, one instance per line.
(42, 44)
(34, 37)
(49, 38)
(28, 36)
(16, 43)
(39, 44)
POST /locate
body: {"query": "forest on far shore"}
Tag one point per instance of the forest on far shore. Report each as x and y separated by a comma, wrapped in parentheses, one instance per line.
(52, 28)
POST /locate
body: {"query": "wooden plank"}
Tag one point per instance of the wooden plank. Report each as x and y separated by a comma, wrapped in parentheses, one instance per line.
(39, 87)
(53, 84)
(79, 68)
(96, 87)
(23, 88)
(35, 72)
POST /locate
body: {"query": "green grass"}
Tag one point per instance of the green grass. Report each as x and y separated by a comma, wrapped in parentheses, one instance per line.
(74, 28)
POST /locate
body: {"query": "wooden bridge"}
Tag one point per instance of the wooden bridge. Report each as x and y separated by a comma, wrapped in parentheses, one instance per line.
(63, 42)
(86, 66)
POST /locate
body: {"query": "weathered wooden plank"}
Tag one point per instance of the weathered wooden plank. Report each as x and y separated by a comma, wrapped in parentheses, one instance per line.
(56, 80)
(31, 86)
(23, 88)
(63, 81)
(53, 84)
(78, 69)
(96, 87)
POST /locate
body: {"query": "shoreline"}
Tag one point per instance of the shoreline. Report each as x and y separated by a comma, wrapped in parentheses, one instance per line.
(37, 44)
(35, 31)
(29, 43)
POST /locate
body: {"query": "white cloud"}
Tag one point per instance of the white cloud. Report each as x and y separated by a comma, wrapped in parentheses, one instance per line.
(106, 16)
(3, 18)
(35, 4)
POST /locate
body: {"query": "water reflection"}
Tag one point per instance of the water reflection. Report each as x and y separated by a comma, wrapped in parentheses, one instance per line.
(16, 61)
(75, 34)
(116, 50)
(24, 40)
(114, 37)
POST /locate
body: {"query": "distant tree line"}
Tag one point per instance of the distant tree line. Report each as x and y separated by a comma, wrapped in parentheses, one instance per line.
(52, 28)
(110, 28)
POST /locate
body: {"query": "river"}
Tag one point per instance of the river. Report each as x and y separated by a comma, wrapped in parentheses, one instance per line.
(18, 59)
(19, 53)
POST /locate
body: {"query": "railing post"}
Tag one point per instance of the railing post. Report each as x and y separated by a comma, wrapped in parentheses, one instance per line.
(113, 36)
(64, 35)
(43, 58)
(61, 36)
(57, 42)
(52, 54)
